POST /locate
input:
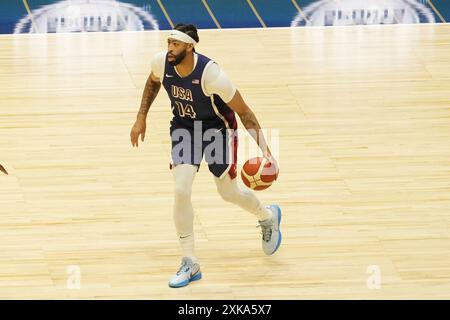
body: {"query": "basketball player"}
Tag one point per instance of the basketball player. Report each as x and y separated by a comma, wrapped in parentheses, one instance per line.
(203, 99)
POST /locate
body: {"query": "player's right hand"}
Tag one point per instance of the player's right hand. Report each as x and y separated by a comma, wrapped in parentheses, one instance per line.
(138, 129)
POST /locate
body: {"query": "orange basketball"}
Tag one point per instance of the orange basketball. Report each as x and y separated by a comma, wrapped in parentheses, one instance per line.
(259, 173)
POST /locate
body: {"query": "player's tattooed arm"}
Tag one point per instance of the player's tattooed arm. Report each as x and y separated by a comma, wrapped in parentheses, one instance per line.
(250, 122)
(151, 90)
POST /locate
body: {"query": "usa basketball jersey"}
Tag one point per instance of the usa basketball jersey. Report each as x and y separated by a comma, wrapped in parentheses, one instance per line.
(189, 101)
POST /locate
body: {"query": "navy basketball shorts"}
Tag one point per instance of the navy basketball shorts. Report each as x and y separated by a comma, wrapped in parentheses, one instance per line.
(218, 146)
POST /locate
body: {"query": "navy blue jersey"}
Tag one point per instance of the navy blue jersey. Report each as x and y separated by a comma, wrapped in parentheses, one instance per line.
(190, 103)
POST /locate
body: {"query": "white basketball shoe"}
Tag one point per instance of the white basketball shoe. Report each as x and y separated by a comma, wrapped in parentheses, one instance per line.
(270, 229)
(188, 272)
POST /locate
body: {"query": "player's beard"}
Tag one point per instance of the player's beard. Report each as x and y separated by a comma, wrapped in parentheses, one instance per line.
(178, 58)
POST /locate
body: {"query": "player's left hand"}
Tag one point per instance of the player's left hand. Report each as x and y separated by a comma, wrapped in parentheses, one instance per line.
(274, 164)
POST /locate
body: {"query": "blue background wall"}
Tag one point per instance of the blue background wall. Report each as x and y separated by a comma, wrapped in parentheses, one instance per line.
(229, 13)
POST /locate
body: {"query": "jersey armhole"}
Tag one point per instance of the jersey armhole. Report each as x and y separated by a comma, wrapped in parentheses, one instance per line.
(164, 69)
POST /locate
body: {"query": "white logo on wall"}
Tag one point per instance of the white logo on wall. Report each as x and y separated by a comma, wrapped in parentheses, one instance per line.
(87, 16)
(363, 12)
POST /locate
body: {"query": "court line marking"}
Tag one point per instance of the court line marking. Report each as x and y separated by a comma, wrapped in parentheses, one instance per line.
(436, 11)
(27, 7)
(211, 14)
(165, 13)
(256, 13)
(299, 9)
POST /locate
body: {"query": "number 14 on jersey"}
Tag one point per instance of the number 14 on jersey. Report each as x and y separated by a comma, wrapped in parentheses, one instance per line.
(185, 110)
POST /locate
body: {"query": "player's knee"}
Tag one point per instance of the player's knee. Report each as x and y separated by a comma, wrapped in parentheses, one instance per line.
(182, 193)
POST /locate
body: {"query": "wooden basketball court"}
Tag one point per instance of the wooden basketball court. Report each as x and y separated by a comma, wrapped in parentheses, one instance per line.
(363, 115)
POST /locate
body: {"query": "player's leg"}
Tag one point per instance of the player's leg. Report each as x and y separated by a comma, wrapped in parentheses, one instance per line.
(184, 167)
(183, 215)
(269, 217)
(244, 198)
(223, 166)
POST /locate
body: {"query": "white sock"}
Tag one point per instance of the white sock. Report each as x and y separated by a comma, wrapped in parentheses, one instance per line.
(187, 246)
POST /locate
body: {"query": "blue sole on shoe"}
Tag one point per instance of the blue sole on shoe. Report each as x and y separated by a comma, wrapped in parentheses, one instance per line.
(198, 276)
(279, 221)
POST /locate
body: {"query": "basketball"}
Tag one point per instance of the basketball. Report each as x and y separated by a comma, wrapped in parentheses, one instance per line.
(259, 173)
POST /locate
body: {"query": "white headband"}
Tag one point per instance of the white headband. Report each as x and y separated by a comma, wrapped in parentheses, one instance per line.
(181, 36)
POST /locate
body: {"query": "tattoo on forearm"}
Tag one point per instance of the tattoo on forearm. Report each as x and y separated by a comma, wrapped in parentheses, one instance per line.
(150, 92)
(254, 129)
(249, 121)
